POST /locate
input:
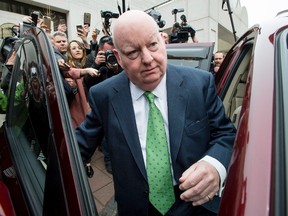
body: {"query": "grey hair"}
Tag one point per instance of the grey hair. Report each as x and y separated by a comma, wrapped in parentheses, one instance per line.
(59, 33)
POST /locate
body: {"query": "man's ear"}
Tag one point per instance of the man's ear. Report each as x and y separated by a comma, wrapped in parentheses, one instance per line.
(115, 51)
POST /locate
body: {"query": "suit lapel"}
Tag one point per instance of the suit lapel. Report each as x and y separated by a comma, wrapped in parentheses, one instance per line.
(176, 110)
(122, 104)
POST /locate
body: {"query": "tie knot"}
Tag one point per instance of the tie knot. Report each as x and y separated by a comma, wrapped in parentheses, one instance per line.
(150, 97)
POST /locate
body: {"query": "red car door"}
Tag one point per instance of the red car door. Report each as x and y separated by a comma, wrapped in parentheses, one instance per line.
(40, 162)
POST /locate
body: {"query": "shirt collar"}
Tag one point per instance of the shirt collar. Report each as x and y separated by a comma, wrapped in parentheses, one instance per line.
(159, 91)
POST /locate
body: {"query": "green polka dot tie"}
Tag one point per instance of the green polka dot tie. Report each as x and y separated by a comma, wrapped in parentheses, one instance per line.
(161, 192)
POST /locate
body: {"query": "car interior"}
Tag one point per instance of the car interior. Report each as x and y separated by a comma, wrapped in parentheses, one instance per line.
(235, 87)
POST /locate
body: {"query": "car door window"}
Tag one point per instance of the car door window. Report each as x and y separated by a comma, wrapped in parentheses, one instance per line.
(192, 55)
(280, 150)
(40, 135)
(28, 124)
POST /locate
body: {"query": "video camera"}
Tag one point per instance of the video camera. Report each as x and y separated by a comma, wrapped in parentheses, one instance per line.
(157, 17)
(175, 10)
(107, 15)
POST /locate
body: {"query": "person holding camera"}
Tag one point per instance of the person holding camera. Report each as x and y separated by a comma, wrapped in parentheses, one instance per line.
(190, 30)
(104, 61)
(180, 32)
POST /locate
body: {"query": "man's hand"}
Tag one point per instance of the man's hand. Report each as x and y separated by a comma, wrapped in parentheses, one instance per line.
(62, 27)
(62, 65)
(200, 183)
(83, 33)
(100, 57)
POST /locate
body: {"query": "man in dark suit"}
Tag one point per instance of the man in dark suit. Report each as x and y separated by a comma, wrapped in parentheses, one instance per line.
(200, 137)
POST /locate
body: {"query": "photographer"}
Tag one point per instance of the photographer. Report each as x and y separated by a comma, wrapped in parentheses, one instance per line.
(106, 63)
(180, 32)
(187, 27)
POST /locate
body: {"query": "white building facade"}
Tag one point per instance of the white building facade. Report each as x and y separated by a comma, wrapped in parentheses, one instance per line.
(210, 21)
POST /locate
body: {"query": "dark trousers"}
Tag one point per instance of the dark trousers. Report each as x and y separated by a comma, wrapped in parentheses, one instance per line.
(105, 151)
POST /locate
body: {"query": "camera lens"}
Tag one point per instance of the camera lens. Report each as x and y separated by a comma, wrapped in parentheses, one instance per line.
(110, 57)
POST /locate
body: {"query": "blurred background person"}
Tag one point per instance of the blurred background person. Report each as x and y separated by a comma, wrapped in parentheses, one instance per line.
(191, 31)
(71, 69)
(62, 26)
(104, 61)
(60, 42)
(181, 32)
(76, 58)
(218, 59)
(173, 36)
(94, 46)
(93, 41)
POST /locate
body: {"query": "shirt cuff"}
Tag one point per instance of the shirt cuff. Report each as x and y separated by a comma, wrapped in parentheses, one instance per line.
(220, 169)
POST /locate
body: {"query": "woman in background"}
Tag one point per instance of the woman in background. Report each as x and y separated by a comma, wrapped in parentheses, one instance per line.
(76, 59)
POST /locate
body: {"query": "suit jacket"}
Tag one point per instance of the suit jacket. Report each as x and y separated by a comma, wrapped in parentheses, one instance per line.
(197, 126)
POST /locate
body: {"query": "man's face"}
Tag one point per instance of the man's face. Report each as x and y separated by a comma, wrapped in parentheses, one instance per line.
(142, 54)
(106, 47)
(218, 59)
(60, 43)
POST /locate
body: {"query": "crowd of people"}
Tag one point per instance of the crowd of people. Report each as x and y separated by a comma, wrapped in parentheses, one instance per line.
(92, 69)
(116, 87)
(82, 64)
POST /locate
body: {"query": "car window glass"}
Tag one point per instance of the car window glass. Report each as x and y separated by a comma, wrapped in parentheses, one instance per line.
(29, 132)
(40, 134)
(192, 56)
(280, 150)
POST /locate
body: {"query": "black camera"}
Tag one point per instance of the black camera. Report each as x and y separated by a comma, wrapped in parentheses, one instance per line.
(110, 57)
(108, 14)
(157, 17)
(175, 10)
